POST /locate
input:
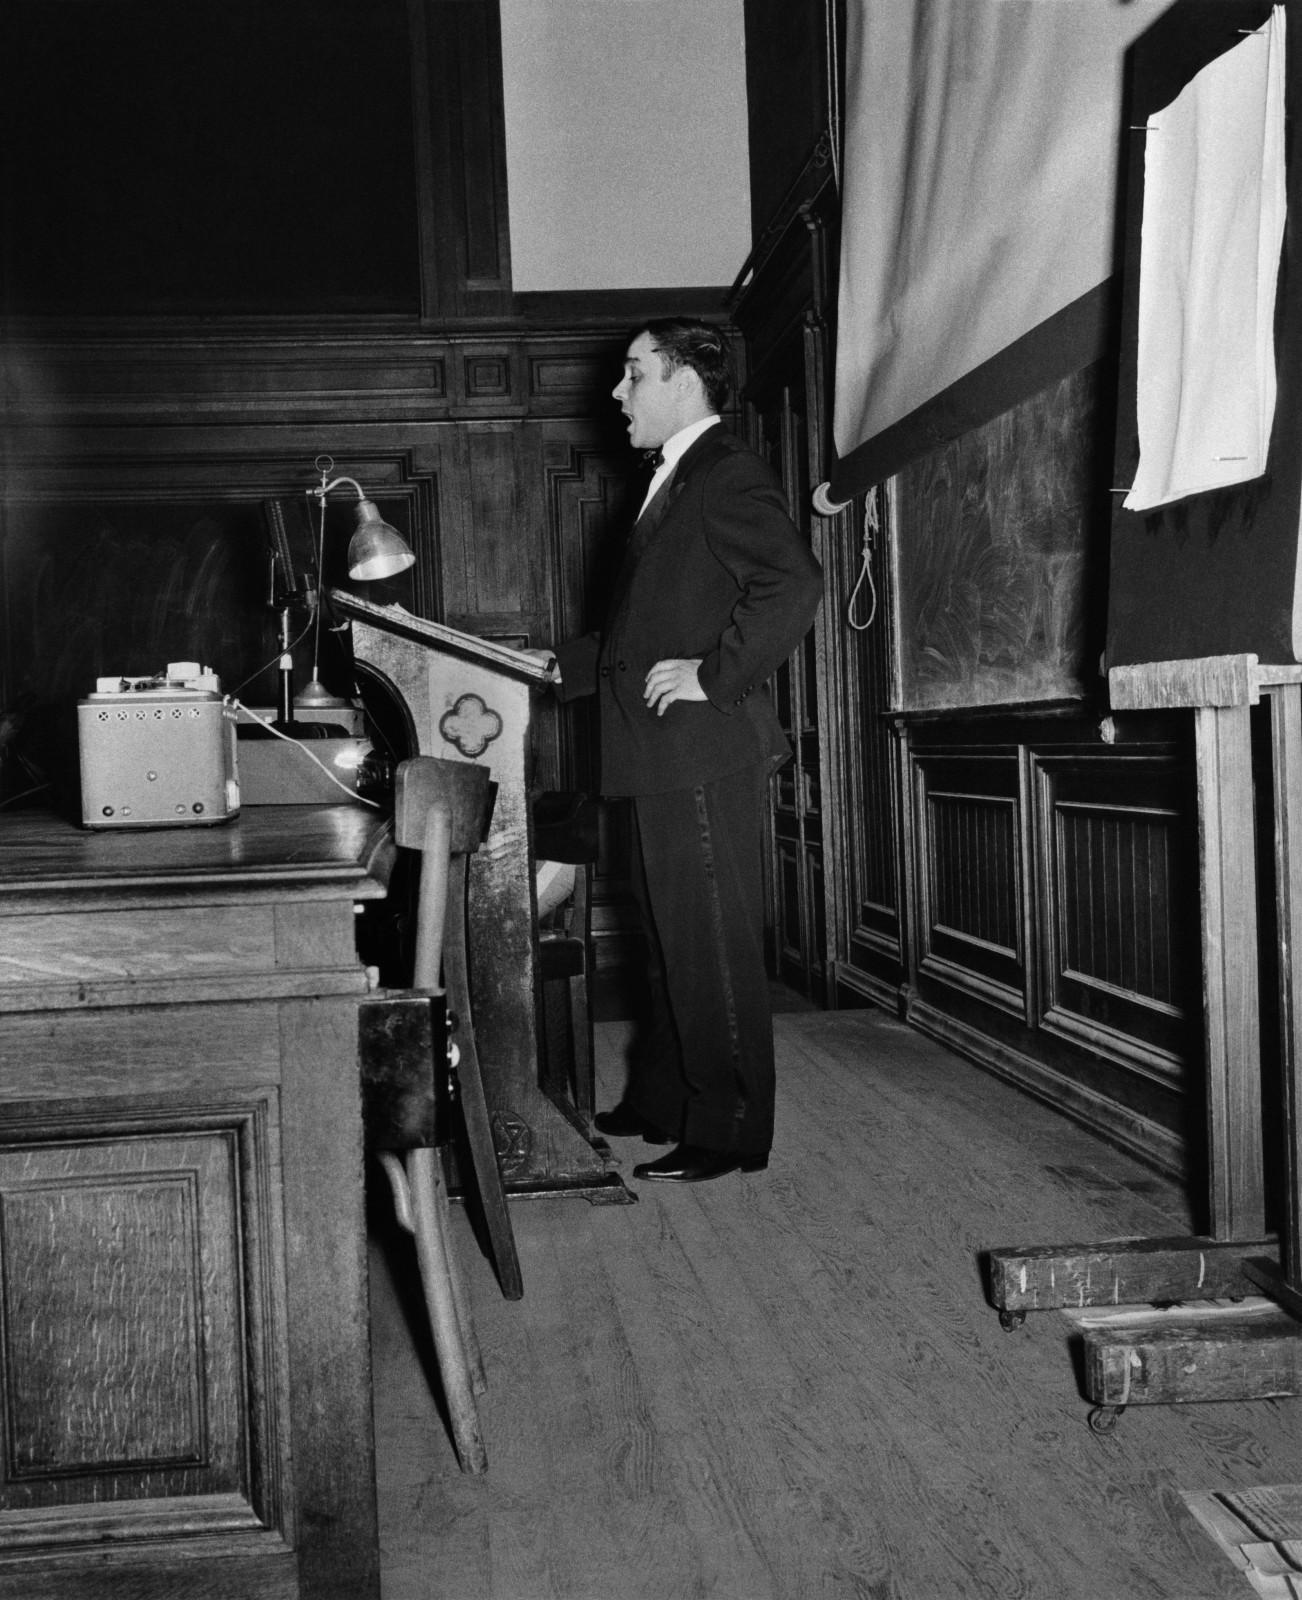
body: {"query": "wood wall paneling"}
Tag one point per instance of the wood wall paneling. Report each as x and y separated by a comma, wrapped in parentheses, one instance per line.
(1052, 887)
(785, 395)
(789, 928)
(138, 462)
(816, 890)
(124, 550)
(777, 426)
(1118, 890)
(792, 62)
(589, 490)
(847, 767)
(1053, 894)
(488, 559)
(971, 882)
(282, 371)
(1017, 885)
(588, 493)
(462, 139)
(870, 885)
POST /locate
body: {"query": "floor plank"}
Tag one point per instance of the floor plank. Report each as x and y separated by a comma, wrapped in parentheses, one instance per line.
(789, 1384)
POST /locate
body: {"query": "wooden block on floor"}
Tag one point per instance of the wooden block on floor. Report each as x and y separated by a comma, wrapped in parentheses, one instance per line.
(1229, 1355)
(1267, 1274)
(1121, 1272)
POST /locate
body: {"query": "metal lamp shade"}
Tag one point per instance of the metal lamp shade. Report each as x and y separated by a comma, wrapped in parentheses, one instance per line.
(376, 550)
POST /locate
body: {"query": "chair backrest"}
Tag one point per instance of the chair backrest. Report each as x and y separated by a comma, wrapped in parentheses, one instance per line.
(440, 808)
(464, 786)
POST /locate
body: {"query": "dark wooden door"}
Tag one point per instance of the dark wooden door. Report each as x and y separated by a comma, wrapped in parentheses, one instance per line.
(797, 923)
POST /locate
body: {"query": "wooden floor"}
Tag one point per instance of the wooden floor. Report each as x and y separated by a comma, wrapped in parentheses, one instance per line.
(789, 1385)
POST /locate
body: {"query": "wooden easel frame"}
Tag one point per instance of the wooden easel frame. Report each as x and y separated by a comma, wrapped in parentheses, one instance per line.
(1236, 1257)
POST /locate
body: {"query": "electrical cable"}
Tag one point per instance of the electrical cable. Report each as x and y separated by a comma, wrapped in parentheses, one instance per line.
(339, 784)
(23, 794)
(267, 665)
(320, 581)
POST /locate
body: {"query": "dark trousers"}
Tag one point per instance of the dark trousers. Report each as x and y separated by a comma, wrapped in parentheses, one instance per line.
(703, 1071)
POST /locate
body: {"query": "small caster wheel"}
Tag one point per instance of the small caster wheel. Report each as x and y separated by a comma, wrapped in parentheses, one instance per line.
(1008, 1320)
(1103, 1419)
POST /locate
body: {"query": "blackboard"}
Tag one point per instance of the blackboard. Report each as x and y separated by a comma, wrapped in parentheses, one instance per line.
(993, 539)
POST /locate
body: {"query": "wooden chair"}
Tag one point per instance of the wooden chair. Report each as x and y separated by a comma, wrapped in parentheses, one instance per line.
(442, 810)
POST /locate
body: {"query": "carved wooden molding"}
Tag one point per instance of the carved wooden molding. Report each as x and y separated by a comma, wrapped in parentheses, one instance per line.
(285, 375)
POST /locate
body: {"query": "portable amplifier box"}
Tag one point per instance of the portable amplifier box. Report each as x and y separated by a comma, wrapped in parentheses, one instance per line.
(158, 753)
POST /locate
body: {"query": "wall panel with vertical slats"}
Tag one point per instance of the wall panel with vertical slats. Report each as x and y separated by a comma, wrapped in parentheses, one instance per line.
(1055, 897)
(1118, 890)
(970, 874)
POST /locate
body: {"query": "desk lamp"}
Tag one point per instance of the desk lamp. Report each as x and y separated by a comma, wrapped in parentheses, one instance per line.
(375, 551)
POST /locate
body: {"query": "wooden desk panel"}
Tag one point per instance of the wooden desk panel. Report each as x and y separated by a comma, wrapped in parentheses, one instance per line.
(184, 1320)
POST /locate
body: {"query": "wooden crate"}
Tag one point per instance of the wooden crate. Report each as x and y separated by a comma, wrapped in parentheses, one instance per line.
(1255, 1355)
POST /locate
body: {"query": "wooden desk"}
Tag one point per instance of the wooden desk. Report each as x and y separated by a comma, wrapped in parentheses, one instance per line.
(183, 1316)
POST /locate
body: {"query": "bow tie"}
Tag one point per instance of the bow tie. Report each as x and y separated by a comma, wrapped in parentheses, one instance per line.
(655, 459)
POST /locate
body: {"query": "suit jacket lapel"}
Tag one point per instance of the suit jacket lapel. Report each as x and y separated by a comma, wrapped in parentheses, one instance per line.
(655, 510)
(644, 529)
(652, 515)
(649, 517)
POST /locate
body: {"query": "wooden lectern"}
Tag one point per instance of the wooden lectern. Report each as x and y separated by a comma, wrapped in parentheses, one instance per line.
(470, 699)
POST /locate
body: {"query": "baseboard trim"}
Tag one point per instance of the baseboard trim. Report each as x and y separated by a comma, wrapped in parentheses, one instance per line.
(1137, 1135)
(864, 986)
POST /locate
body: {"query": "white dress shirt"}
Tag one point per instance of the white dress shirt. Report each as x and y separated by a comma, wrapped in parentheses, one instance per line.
(671, 452)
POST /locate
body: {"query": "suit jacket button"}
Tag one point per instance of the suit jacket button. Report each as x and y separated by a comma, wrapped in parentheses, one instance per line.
(623, 666)
(605, 672)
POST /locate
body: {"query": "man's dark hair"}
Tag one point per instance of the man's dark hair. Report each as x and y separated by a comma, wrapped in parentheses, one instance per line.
(682, 342)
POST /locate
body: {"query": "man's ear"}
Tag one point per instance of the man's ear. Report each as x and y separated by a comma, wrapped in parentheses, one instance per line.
(689, 383)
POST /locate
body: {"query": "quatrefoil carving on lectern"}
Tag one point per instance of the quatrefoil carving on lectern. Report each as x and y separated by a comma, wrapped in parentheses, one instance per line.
(470, 726)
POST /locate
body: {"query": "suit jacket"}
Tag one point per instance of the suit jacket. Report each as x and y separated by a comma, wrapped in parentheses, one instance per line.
(718, 570)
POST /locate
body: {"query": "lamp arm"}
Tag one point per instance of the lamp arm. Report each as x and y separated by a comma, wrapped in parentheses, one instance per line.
(334, 483)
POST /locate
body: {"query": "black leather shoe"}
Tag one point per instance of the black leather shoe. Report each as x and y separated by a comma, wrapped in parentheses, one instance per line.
(689, 1163)
(622, 1122)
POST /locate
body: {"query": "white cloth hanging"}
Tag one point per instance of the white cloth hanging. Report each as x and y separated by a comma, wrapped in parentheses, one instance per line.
(1212, 229)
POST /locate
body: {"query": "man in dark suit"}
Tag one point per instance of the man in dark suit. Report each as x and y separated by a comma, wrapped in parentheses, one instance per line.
(717, 589)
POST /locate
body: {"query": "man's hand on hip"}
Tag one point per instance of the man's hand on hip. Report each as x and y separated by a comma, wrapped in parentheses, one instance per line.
(672, 680)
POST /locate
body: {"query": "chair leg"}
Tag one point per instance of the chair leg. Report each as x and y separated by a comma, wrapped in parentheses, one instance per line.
(457, 1281)
(474, 1107)
(421, 1200)
(437, 1273)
